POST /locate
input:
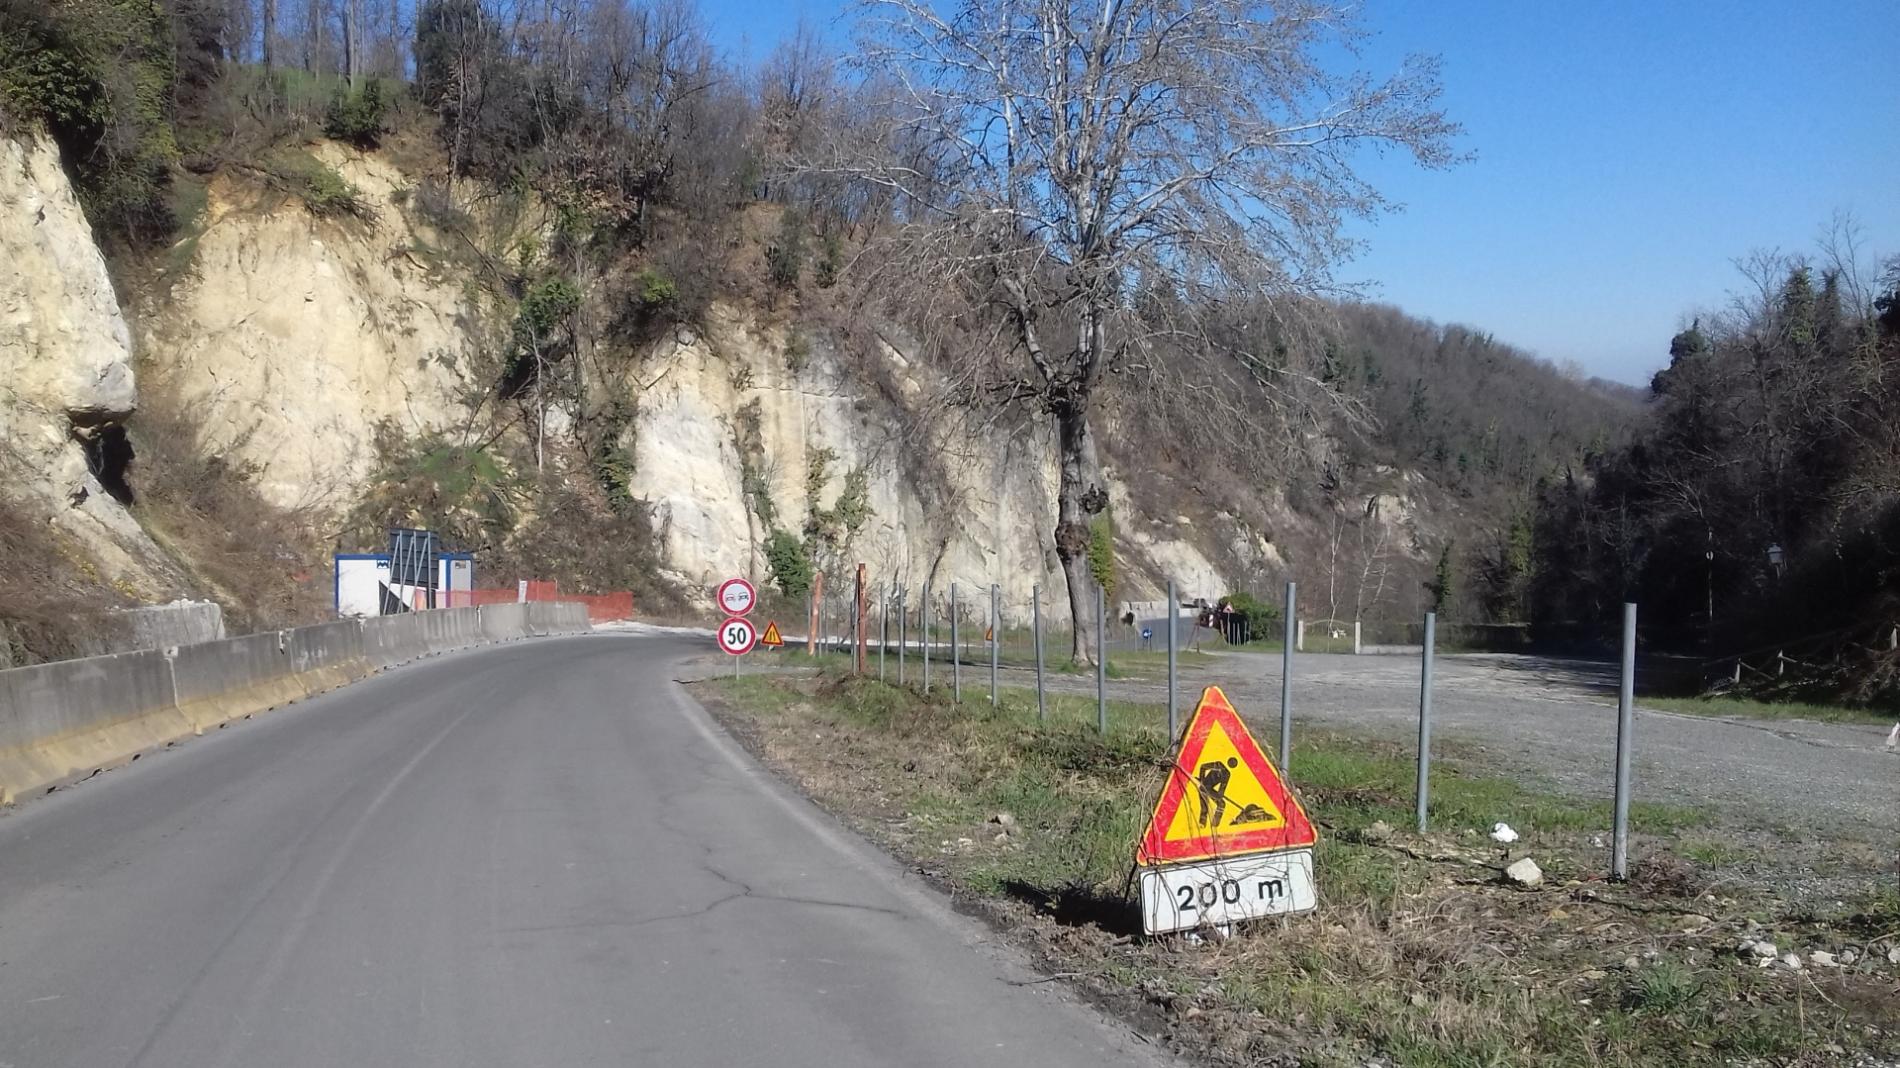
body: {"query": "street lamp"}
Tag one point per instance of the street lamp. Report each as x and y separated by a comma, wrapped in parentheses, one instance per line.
(1775, 557)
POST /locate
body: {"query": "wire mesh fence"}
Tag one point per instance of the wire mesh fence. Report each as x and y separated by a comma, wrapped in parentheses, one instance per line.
(954, 634)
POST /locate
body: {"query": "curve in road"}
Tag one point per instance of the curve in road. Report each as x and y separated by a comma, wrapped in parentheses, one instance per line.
(539, 854)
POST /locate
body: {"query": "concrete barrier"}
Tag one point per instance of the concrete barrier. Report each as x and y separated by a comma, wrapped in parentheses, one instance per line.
(448, 629)
(392, 640)
(70, 718)
(504, 622)
(219, 681)
(65, 720)
(327, 655)
(557, 617)
(162, 626)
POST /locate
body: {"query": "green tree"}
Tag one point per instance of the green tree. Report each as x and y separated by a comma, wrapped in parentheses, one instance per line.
(544, 311)
(1102, 551)
(357, 117)
(1444, 579)
(1258, 615)
(789, 561)
(103, 76)
(785, 259)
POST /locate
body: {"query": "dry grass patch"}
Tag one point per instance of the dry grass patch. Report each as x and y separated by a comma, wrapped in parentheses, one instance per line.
(1419, 954)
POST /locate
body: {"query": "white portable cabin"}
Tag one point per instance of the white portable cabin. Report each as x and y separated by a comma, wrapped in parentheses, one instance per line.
(363, 578)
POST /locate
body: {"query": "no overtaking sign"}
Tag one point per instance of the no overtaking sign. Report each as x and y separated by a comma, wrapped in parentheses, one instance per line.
(737, 597)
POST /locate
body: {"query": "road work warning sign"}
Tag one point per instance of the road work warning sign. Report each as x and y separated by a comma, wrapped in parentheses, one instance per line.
(1228, 840)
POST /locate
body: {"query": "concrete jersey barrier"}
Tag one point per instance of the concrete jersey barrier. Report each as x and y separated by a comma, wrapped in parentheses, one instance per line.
(72, 718)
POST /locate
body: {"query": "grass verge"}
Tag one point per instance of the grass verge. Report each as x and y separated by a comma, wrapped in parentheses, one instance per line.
(1750, 708)
(1419, 955)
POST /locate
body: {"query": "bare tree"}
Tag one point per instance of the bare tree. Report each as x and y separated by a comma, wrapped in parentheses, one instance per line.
(353, 42)
(269, 34)
(1103, 176)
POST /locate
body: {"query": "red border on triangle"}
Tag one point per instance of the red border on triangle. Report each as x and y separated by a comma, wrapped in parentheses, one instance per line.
(771, 637)
(1298, 832)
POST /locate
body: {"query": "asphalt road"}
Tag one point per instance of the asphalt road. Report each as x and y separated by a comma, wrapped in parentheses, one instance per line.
(538, 854)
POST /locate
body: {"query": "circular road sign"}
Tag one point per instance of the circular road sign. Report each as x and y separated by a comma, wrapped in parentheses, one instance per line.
(737, 597)
(737, 636)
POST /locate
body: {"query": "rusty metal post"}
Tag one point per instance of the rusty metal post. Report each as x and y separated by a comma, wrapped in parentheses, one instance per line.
(814, 599)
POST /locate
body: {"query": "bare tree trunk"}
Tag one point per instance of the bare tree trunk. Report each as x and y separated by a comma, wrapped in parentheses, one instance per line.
(395, 39)
(312, 36)
(270, 33)
(1079, 497)
(353, 42)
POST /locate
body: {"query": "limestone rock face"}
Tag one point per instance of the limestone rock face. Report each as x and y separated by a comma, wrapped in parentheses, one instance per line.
(293, 337)
(68, 350)
(65, 367)
(985, 518)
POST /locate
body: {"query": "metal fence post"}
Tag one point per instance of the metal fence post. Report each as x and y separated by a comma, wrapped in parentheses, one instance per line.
(1174, 616)
(858, 595)
(1286, 683)
(996, 638)
(1101, 660)
(1035, 622)
(1625, 730)
(956, 649)
(923, 629)
(1425, 721)
(903, 630)
(884, 627)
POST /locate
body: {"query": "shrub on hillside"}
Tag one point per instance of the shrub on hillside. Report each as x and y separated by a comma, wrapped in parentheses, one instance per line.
(359, 117)
(785, 258)
(1251, 610)
(327, 193)
(101, 76)
(789, 562)
(656, 291)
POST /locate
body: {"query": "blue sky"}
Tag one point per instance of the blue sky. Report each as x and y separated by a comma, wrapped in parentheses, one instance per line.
(1625, 155)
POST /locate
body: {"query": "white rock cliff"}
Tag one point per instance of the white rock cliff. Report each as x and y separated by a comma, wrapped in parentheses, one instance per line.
(66, 358)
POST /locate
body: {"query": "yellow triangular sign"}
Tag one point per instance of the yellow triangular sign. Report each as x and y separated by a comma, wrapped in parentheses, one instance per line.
(1223, 797)
(771, 636)
(989, 634)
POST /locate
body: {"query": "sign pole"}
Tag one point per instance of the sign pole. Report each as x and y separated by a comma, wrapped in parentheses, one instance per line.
(1174, 618)
(1035, 612)
(857, 617)
(1625, 736)
(1286, 684)
(996, 639)
(1425, 721)
(1101, 660)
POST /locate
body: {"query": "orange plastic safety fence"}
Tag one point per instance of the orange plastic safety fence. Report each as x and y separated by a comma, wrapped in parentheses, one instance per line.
(600, 607)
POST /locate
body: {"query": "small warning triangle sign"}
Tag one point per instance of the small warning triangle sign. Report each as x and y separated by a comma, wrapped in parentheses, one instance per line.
(771, 636)
(1223, 797)
(989, 634)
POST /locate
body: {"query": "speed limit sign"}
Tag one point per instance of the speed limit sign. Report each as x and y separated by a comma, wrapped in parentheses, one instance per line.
(737, 636)
(737, 597)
